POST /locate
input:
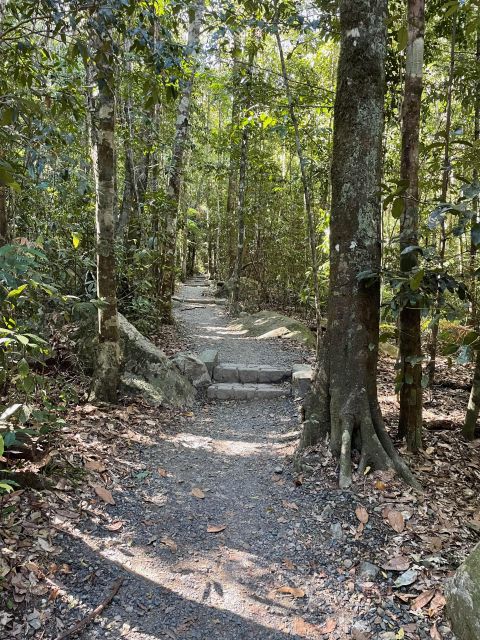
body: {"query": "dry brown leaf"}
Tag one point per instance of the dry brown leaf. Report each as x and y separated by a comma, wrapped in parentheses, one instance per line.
(103, 493)
(197, 493)
(396, 520)
(115, 526)
(289, 505)
(380, 486)
(423, 599)
(362, 514)
(303, 628)
(328, 627)
(288, 563)
(162, 472)
(295, 592)
(95, 465)
(212, 528)
(437, 604)
(435, 633)
(171, 544)
(399, 563)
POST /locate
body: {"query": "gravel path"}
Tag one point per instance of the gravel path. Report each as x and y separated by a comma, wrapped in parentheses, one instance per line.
(285, 560)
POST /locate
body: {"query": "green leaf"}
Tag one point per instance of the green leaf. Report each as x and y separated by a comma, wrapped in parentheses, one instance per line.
(14, 293)
(402, 38)
(397, 208)
(76, 239)
(2, 445)
(416, 280)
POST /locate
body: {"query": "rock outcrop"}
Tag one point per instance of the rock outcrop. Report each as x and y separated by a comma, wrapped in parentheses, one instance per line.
(463, 598)
(270, 324)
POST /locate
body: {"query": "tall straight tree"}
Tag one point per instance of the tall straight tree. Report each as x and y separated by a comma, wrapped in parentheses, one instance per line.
(344, 400)
(410, 422)
(103, 157)
(175, 172)
(242, 180)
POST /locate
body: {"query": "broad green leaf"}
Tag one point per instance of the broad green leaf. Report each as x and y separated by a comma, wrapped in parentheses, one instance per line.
(397, 208)
(402, 38)
(18, 291)
(76, 239)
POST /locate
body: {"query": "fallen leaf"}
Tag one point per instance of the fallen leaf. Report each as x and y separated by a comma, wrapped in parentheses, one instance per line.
(212, 528)
(436, 605)
(434, 632)
(295, 592)
(399, 563)
(197, 493)
(171, 544)
(103, 493)
(162, 472)
(95, 465)
(115, 526)
(362, 514)
(380, 485)
(407, 578)
(289, 505)
(423, 599)
(288, 563)
(328, 626)
(304, 628)
(396, 521)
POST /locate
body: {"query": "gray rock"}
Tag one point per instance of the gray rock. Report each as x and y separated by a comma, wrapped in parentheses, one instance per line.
(210, 358)
(301, 379)
(336, 531)
(193, 368)
(463, 598)
(367, 572)
(360, 631)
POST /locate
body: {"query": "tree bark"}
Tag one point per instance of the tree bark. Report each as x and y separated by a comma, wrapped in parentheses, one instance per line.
(473, 408)
(175, 173)
(307, 199)
(107, 375)
(344, 400)
(443, 197)
(242, 186)
(410, 346)
(3, 216)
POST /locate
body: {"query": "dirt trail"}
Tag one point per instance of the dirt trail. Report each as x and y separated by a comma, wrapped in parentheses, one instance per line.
(282, 565)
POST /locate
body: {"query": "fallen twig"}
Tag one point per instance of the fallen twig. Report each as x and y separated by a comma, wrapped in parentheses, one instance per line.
(190, 308)
(91, 616)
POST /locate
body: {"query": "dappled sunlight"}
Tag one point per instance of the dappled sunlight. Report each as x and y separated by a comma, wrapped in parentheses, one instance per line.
(238, 448)
(226, 579)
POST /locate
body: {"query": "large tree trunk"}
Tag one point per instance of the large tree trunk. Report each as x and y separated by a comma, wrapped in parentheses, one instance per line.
(242, 186)
(410, 422)
(446, 170)
(108, 356)
(175, 174)
(344, 399)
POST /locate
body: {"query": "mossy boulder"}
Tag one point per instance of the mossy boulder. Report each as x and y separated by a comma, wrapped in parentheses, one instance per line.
(463, 598)
(146, 369)
(270, 324)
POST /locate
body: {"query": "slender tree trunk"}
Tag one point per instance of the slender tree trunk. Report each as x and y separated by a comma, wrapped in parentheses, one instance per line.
(242, 187)
(344, 400)
(307, 199)
(473, 408)
(410, 422)
(234, 156)
(176, 173)
(3, 216)
(445, 183)
(108, 355)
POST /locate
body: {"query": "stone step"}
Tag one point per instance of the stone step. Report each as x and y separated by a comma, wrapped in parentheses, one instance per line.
(200, 300)
(302, 375)
(236, 391)
(250, 374)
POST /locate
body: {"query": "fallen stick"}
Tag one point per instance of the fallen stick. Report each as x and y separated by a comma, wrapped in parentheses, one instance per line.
(80, 626)
(191, 308)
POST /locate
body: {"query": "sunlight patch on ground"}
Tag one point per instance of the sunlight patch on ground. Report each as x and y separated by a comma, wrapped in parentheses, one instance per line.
(220, 580)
